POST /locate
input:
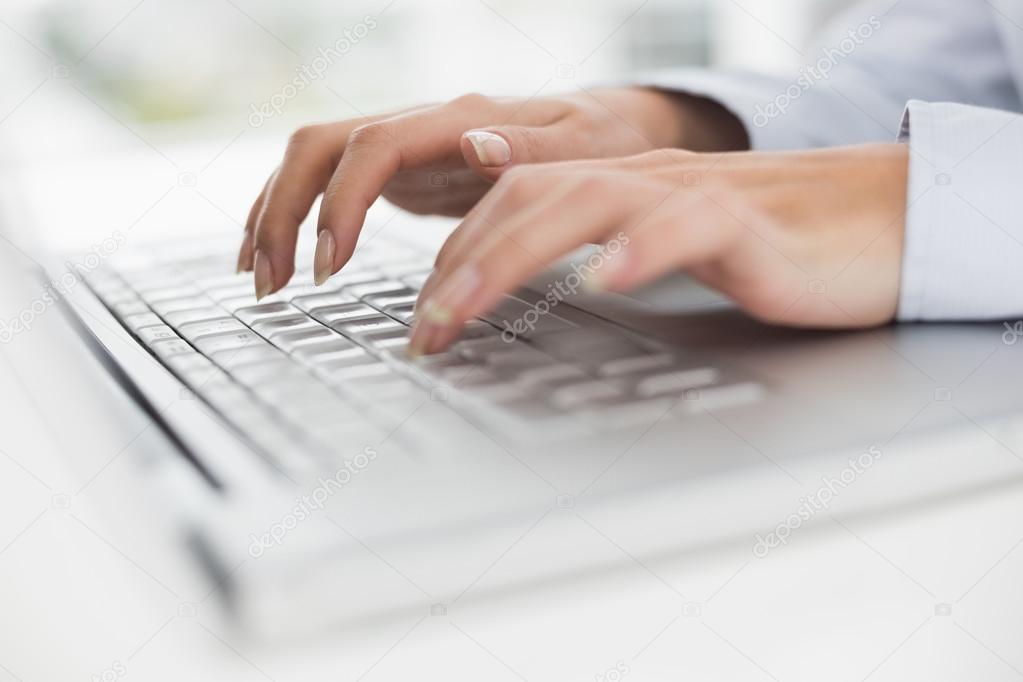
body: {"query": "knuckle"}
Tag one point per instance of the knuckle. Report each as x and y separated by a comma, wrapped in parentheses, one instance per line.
(303, 136)
(470, 101)
(516, 184)
(590, 186)
(374, 133)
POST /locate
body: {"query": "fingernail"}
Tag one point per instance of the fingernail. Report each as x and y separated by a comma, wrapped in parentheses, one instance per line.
(264, 275)
(323, 263)
(424, 292)
(418, 342)
(438, 312)
(440, 308)
(492, 150)
(245, 254)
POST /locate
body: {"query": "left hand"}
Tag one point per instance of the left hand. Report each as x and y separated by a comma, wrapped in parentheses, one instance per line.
(807, 239)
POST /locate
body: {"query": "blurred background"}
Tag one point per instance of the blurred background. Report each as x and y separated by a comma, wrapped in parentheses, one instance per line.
(211, 61)
(201, 94)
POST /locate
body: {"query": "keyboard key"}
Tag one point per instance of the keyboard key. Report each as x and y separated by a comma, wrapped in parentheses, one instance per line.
(142, 320)
(172, 305)
(270, 328)
(548, 376)
(198, 330)
(132, 306)
(675, 383)
(229, 359)
(267, 311)
(254, 374)
(357, 328)
(404, 313)
(249, 301)
(344, 313)
(636, 364)
(234, 341)
(159, 295)
(168, 347)
(150, 335)
(315, 302)
(722, 397)
(182, 317)
(290, 342)
(189, 363)
(391, 338)
(383, 286)
(397, 297)
(586, 394)
(230, 292)
(515, 315)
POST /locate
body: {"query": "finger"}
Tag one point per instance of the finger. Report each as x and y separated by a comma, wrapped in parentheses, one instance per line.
(471, 231)
(520, 246)
(245, 251)
(374, 154)
(492, 150)
(685, 231)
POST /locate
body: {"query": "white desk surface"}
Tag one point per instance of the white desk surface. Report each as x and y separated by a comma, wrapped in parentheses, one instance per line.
(929, 592)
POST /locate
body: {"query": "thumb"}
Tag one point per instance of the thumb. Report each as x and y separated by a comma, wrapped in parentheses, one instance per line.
(492, 151)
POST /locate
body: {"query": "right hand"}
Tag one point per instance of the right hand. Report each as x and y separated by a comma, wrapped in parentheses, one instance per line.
(467, 144)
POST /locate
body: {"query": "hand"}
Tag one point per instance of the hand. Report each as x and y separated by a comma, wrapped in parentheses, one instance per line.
(469, 142)
(808, 239)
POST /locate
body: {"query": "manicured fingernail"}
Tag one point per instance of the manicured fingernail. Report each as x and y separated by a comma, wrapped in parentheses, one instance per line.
(438, 312)
(424, 292)
(418, 342)
(245, 254)
(492, 150)
(453, 294)
(323, 263)
(264, 275)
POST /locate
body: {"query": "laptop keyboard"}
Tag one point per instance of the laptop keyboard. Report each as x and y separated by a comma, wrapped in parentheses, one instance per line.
(308, 369)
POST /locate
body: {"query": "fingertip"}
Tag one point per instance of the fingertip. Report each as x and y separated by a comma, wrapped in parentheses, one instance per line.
(245, 254)
(486, 153)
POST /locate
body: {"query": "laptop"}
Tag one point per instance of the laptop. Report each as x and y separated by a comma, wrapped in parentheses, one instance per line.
(317, 476)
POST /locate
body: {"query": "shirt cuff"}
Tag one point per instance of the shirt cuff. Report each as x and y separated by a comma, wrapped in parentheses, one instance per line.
(781, 113)
(963, 248)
